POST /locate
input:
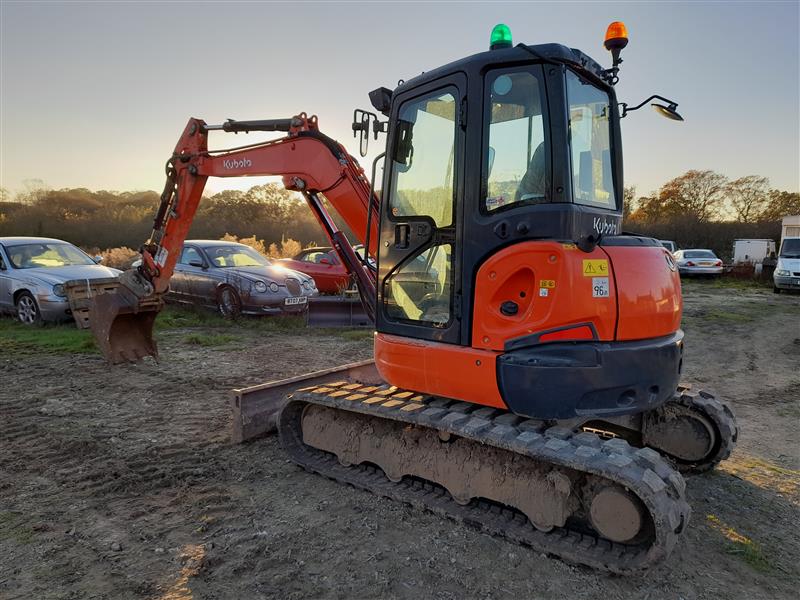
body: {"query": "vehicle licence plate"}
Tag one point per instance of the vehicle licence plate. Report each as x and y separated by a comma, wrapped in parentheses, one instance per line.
(705, 264)
(294, 301)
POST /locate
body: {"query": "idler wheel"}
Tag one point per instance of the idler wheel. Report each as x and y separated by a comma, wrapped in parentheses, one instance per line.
(687, 435)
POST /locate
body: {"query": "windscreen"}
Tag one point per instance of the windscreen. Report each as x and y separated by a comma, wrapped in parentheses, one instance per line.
(236, 256)
(33, 256)
(790, 248)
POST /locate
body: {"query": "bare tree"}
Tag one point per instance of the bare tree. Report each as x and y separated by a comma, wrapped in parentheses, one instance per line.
(695, 194)
(781, 204)
(748, 196)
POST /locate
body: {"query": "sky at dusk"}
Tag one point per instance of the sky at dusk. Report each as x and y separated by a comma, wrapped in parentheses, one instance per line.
(96, 94)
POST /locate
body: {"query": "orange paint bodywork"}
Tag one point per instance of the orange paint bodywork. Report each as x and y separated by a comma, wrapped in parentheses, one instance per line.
(518, 273)
(650, 303)
(646, 305)
(440, 369)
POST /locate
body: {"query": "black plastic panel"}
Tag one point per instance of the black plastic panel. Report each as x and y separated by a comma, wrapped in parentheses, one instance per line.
(566, 380)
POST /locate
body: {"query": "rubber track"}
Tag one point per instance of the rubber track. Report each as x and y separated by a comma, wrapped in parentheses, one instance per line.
(723, 419)
(643, 471)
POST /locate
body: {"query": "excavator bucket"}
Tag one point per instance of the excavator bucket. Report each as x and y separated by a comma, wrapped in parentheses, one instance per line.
(121, 323)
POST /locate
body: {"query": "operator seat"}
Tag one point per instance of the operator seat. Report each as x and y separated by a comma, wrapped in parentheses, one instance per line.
(532, 185)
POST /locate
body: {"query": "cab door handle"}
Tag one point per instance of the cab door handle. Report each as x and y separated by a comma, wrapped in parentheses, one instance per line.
(401, 233)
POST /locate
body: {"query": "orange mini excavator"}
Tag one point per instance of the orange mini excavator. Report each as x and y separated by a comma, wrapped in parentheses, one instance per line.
(529, 350)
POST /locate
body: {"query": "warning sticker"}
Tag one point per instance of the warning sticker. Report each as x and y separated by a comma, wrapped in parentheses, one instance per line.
(547, 283)
(600, 287)
(595, 267)
(570, 246)
(161, 257)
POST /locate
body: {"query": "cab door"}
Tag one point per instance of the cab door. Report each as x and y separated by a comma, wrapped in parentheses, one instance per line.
(418, 259)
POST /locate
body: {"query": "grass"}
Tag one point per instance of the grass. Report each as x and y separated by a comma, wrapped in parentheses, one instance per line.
(728, 316)
(740, 545)
(55, 339)
(208, 340)
(356, 335)
(181, 317)
(12, 528)
(16, 338)
(175, 317)
(751, 553)
(741, 284)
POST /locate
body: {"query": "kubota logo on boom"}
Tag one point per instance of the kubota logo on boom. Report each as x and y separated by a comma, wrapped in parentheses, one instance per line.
(237, 164)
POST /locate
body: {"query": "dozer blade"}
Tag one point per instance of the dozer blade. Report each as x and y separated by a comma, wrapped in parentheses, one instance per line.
(122, 323)
(337, 311)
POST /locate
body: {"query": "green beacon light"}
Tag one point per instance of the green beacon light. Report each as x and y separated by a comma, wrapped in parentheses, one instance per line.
(501, 37)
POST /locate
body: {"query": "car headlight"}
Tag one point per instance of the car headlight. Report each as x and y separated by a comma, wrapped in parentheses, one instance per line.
(782, 272)
(273, 287)
(307, 284)
(58, 290)
(260, 287)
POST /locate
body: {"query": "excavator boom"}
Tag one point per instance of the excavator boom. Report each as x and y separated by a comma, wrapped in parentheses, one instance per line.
(121, 314)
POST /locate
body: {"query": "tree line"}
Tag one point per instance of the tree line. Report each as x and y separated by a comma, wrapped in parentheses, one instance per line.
(705, 209)
(106, 219)
(697, 209)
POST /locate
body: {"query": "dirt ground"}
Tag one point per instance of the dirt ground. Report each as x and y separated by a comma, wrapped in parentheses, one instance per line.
(122, 483)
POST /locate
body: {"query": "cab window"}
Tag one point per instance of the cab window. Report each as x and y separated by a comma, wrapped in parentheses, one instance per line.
(516, 160)
(423, 154)
(590, 143)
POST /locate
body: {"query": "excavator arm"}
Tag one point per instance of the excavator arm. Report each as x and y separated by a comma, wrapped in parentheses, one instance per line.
(121, 316)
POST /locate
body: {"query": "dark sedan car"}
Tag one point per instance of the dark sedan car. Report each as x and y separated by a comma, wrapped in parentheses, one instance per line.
(235, 279)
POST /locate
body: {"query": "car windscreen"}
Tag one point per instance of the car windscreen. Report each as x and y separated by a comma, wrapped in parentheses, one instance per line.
(236, 256)
(698, 254)
(790, 248)
(46, 255)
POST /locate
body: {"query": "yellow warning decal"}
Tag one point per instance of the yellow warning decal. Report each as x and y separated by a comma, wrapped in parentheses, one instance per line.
(569, 246)
(547, 283)
(595, 267)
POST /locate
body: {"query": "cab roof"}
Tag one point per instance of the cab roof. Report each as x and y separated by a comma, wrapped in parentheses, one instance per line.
(547, 53)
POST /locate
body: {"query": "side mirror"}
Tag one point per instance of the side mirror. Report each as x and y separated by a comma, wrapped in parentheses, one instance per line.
(197, 263)
(404, 148)
(98, 259)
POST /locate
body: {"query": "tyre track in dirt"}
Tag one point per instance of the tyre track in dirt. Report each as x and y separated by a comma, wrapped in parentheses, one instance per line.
(139, 456)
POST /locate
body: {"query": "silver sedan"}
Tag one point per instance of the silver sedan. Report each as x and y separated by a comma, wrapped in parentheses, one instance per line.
(32, 275)
(698, 262)
(235, 279)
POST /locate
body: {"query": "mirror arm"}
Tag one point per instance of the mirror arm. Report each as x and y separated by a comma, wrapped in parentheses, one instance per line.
(626, 110)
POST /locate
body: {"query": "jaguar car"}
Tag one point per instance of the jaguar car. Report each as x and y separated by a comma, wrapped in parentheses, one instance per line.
(236, 279)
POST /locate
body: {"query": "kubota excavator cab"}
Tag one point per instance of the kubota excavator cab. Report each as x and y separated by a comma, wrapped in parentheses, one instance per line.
(504, 277)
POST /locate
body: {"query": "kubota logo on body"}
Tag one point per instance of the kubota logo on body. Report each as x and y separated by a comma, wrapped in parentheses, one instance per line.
(603, 227)
(237, 164)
